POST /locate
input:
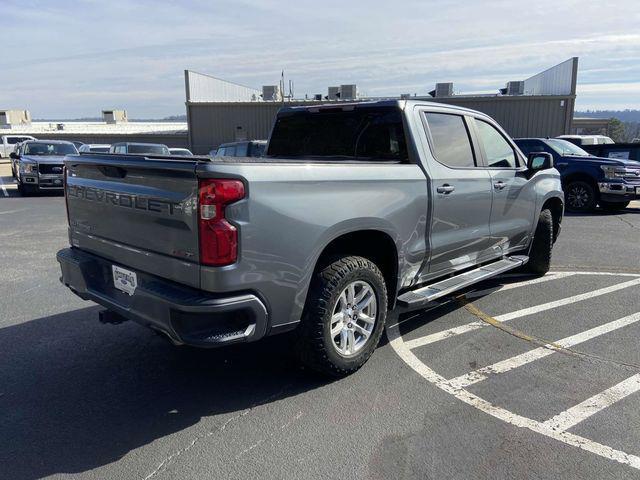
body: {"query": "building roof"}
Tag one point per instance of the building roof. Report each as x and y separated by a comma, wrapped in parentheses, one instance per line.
(101, 128)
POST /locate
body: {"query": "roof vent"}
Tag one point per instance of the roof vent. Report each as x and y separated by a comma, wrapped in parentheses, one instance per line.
(513, 88)
(114, 116)
(271, 93)
(442, 90)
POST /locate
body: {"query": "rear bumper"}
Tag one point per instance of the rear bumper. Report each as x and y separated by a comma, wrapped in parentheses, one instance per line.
(186, 315)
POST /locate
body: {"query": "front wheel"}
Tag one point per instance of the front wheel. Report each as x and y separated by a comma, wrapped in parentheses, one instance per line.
(540, 254)
(580, 197)
(343, 317)
(613, 206)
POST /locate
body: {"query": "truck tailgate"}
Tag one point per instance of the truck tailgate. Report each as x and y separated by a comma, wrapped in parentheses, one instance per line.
(138, 211)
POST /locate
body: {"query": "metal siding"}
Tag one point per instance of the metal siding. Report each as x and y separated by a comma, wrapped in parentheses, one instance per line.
(205, 88)
(521, 116)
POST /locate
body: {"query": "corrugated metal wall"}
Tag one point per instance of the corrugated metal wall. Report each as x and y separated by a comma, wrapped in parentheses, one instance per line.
(211, 124)
(205, 88)
(557, 80)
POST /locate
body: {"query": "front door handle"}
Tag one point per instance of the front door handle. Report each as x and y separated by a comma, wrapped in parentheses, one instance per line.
(446, 188)
(499, 185)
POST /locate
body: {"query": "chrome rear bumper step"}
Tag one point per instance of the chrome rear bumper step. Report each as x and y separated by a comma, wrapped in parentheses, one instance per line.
(429, 293)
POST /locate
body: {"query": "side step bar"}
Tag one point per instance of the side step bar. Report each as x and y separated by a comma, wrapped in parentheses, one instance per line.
(429, 293)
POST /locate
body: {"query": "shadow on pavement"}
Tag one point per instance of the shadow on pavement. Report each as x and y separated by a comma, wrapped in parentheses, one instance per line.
(76, 395)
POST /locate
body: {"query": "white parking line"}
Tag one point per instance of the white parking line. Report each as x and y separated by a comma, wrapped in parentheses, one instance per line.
(509, 286)
(436, 337)
(541, 352)
(4, 189)
(556, 427)
(571, 417)
(400, 347)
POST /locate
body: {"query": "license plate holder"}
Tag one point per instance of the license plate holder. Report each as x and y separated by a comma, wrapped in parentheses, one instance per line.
(124, 280)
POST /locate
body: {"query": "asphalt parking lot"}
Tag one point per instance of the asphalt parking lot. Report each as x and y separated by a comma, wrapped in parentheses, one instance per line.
(519, 378)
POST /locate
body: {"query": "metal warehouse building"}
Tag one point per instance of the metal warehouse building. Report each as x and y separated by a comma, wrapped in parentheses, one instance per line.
(219, 111)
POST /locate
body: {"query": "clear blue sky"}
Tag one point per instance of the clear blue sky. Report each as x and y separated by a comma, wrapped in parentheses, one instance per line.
(63, 59)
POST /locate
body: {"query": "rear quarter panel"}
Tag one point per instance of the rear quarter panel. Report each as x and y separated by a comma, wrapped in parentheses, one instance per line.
(294, 210)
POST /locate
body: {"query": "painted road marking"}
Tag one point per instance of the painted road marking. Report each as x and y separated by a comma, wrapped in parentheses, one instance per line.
(571, 417)
(578, 413)
(452, 332)
(509, 286)
(541, 352)
(4, 189)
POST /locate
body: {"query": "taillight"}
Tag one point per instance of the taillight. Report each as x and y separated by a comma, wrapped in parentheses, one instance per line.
(218, 238)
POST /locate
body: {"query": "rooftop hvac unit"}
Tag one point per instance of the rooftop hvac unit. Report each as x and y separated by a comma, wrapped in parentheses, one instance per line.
(270, 93)
(333, 93)
(444, 89)
(513, 88)
(405, 96)
(8, 118)
(317, 97)
(114, 116)
(348, 92)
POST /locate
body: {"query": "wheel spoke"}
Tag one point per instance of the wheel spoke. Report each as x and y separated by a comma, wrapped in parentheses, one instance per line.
(365, 318)
(362, 331)
(336, 324)
(351, 341)
(361, 294)
(351, 293)
(343, 301)
(343, 341)
(365, 301)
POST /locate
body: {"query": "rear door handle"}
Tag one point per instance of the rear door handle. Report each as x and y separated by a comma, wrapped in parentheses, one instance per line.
(446, 188)
(499, 185)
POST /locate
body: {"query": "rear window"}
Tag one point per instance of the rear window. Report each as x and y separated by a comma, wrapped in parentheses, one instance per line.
(14, 140)
(367, 134)
(99, 149)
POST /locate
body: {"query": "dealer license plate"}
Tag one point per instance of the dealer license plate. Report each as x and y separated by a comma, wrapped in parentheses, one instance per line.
(124, 280)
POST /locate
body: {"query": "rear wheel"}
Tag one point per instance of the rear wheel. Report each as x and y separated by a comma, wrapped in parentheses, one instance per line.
(580, 196)
(542, 246)
(344, 316)
(613, 206)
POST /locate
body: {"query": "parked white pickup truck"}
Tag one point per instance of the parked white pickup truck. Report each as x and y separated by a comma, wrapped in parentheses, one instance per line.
(8, 143)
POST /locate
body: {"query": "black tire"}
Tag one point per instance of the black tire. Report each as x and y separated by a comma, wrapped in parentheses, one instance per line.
(315, 346)
(542, 245)
(580, 197)
(25, 190)
(613, 206)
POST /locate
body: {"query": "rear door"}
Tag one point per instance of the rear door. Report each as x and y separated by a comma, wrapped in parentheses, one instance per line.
(461, 195)
(514, 196)
(141, 212)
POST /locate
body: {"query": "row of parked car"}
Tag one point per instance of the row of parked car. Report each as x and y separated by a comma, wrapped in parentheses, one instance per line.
(595, 171)
(37, 165)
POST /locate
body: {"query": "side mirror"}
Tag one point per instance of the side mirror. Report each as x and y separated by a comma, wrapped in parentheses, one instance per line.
(14, 155)
(539, 161)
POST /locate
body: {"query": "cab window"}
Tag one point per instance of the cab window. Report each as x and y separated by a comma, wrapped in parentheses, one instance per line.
(498, 152)
(451, 141)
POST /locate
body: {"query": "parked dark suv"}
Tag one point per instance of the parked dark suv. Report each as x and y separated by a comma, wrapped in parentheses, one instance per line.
(588, 180)
(254, 148)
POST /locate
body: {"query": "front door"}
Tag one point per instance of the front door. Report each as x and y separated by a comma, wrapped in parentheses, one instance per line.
(461, 193)
(514, 197)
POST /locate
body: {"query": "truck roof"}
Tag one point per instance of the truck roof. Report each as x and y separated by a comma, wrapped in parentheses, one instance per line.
(380, 103)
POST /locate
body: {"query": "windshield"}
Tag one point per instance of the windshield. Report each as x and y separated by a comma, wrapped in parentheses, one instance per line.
(566, 148)
(358, 134)
(157, 149)
(54, 149)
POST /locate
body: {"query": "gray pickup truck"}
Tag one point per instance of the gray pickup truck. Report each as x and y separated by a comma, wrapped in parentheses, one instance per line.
(356, 209)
